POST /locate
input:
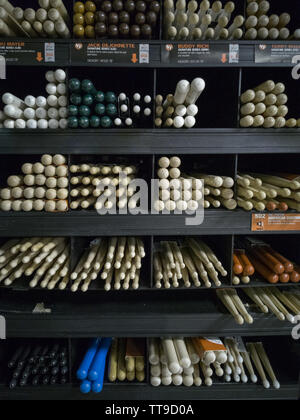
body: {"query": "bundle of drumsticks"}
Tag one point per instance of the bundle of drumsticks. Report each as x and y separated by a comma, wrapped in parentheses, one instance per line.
(266, 106)
(127, 360)
(268, 263)
(193, 361)
(51, 20)
(189, 262)
(284, 305)
(268, 191)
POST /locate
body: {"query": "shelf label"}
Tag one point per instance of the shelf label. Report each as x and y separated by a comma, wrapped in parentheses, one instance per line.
(200, 53)
(27, 53)
(276, 53)
(110, 52)
(275, 222)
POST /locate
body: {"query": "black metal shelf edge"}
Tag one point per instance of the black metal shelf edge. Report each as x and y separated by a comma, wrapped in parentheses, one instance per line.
(25, 325)
(138, 392)
(89, 223)
(150, 141)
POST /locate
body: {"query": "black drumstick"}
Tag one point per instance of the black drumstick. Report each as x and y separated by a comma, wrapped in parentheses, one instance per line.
(36, 380)
(35, 354)
(46, 380)
(63, 380)
(13, 361)
(44, 354)
(24, 357)
(55, 371)
(64, 370)
(54, 352)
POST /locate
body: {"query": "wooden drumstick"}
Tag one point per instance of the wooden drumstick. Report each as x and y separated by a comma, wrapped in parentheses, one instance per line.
(285, 299)
(170, 352)
(196, 375)
(16, 274)
(92, 276)
(83, 275)
(158, 269)
(190, 266)
(79, 266)
(198, 251)
(235, 280)
(59, 5)
(278, 304)
(8, 246)
(266, 362)
(269, 303)
(248, 364)
(169, 254)
(100, 257)
(182, 353)
(40, 273)
(256, 299)
(240, 306)
(218, 370)
(121, 373)
(228, 303)
(91, 256)
(258, 365)
(153, 351)
(207, 379)
(212, 257)
(195, 359)
(113, 361)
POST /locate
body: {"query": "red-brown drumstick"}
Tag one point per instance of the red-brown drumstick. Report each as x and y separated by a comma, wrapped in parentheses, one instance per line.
(269, 260)
(295, 277)
(284, 278)
(264, 271)
(288, 266)
(271, 206)
(237, 266)
(248, 269)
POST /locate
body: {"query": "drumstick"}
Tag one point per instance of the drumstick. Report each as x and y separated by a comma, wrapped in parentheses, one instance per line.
(169, 349)
(292, 302)
(251, 22)
(249, 366)
(240, 306)
(269, 303)
(59, 5)
(284, 299)
(207, 379)
(279, 305)
(212, 257)
(204, 7)
(266, 362)
(257, 362)
(252, 8)
(191, 267)
(228, 303)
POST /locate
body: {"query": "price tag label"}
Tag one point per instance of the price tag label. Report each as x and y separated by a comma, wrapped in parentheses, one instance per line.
(200, 53)
(275, 222)
(276, 53)
(106, 53)
(27, 53)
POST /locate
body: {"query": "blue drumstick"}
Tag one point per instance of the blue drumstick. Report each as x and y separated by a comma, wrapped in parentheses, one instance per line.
(84, 368)
(86, 387)
(99, 361)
